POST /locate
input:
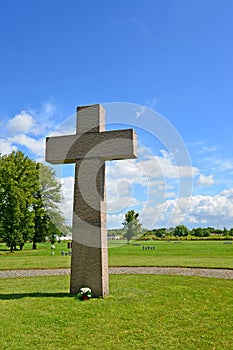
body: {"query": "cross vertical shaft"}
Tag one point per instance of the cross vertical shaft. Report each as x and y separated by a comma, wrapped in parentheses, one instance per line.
(89, 264)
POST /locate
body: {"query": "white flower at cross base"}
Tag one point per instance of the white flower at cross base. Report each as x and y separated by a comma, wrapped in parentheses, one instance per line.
(85, 290)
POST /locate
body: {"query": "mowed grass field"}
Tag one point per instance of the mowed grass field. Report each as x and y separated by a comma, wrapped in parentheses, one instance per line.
(141, 312)
(211, 254)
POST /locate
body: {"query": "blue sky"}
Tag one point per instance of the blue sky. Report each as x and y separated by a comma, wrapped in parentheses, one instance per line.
(172, 56)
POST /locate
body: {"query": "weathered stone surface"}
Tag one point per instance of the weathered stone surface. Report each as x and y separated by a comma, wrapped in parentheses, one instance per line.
(108, 145)
(89, 149)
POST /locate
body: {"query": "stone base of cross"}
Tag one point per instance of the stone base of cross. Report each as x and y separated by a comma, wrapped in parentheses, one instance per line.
(89, 148)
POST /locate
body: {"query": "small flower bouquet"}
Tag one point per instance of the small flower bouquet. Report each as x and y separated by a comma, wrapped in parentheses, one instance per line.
(85, 294)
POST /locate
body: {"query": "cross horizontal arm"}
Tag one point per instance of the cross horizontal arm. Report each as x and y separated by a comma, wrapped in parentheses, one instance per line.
(107, 145)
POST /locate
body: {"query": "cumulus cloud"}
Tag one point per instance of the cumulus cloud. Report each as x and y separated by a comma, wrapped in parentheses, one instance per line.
(213, 210)
(35, 146)
(33, 121)
(150, 167)
(201, 210)
(6, 147)
(21, 123)
(163, 166)
(121, 204)
(28, 129)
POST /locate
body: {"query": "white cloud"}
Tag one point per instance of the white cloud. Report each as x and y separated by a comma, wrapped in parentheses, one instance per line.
(21, 123)
(155, 209)
(35, 146)
(33, 121)
(146, 185)
(129, 171)
(193, 211)
(6, 147)
(45, 120)
(213, 210)
(67, 192)
(28, 129)
(115, 220)
(122, 203)
(204, 180)
(150, 167)
(202, 211)
(163, 166)
(169, 213)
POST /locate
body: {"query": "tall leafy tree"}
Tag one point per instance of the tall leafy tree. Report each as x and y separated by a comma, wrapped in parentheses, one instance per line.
(131, 224)
(17, 188)
(29, 201)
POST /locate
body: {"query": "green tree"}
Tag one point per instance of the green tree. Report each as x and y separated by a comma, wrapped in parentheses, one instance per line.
(29, 201)
(131, 224)
(206, 232)
(160, 232)
(17, 187)
(181, 230)
(197, 232)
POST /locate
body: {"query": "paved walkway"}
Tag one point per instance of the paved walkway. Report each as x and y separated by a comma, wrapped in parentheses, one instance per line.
(184, 271)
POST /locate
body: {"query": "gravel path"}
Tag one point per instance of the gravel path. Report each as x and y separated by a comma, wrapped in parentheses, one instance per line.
(184, 271)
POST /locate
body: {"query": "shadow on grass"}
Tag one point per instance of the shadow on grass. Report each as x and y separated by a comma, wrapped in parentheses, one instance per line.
(35, 295)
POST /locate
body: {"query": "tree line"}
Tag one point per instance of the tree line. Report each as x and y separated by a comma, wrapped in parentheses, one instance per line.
(182, 231)
(29, 202)
(132, 228)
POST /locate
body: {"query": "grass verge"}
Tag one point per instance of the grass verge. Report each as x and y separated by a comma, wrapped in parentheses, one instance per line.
(142, 312)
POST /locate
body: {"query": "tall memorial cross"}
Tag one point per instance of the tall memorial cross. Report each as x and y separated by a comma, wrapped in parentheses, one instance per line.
(89, 148)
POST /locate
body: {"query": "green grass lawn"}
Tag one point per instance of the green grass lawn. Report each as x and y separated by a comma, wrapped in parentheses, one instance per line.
(142, 312)
(213, 254)
(32, 259)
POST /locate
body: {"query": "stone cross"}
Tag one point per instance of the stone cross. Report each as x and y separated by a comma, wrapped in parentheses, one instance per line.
(89, 148)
